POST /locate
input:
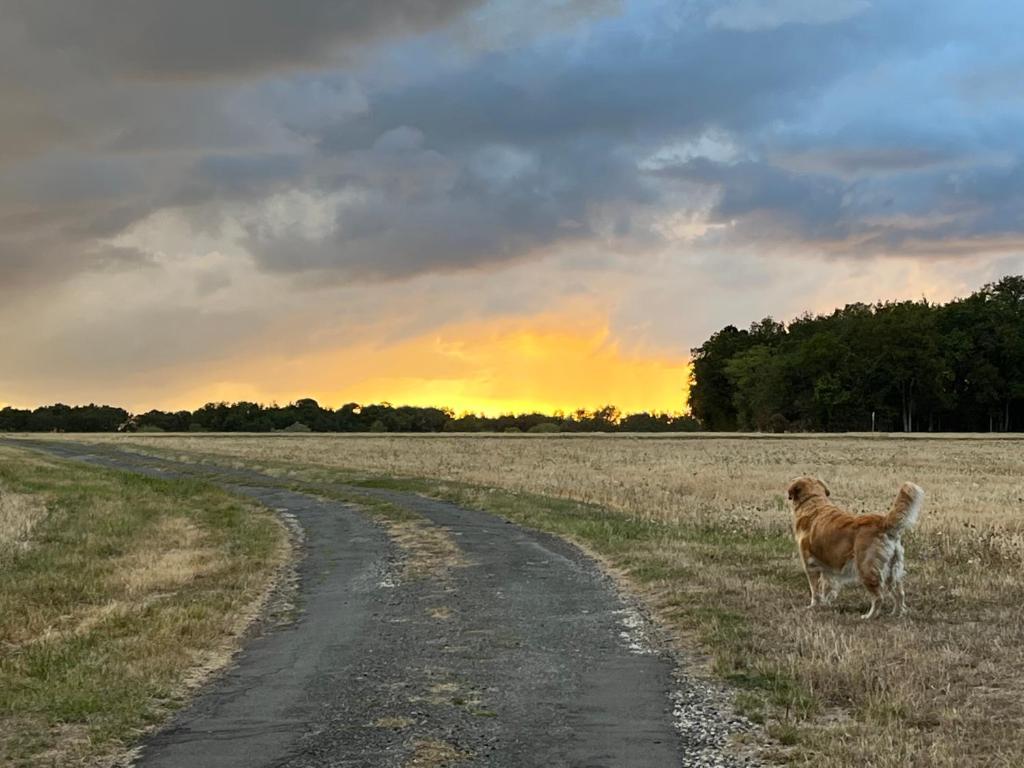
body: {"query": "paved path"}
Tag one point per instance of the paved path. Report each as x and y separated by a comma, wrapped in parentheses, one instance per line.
(518, 658)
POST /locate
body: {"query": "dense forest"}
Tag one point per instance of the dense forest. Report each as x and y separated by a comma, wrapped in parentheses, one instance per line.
(307, 415)
(908, 366)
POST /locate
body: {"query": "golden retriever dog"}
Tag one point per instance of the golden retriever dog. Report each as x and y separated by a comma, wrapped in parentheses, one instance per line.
(837, 547)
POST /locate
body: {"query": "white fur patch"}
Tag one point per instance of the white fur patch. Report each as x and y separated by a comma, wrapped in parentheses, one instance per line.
(917, 500)
(885, 548)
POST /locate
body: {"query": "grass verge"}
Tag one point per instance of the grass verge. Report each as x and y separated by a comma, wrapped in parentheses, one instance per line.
(118, 593)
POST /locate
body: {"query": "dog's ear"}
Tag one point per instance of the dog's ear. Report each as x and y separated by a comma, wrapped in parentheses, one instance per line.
(794, 488)
(827, 491)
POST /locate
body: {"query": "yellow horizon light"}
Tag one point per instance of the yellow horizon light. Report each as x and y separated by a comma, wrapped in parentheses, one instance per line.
(545, 363)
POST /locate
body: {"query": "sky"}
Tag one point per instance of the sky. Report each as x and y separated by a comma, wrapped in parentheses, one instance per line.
(489, 206)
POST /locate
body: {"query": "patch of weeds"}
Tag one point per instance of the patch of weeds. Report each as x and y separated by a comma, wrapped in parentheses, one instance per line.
(751, 706)
(785, 733)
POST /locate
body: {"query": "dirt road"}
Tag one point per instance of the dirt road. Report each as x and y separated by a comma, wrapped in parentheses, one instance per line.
(521, 653)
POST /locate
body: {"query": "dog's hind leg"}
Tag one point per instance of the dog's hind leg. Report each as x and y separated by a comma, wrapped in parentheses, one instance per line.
(899, 603)
(876, 600)
(829, 589)
(899, 599)
(874, 567)
(872, 583)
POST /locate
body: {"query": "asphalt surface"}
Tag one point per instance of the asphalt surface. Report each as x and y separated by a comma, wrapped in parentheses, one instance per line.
(525, 655)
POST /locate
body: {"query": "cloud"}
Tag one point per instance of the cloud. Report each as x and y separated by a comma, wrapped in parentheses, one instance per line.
(115, 112)
(752, 15)
(400, 208)
(506, 156)
(194, 39)
(434, 161)
(630, 84)
(929, 210)
(808, 206)
(866, 159)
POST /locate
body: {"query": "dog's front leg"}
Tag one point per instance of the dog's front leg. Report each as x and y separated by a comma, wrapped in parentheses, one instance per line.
(814, 579)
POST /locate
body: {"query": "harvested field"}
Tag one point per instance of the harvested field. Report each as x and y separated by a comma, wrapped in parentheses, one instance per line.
(665, 479)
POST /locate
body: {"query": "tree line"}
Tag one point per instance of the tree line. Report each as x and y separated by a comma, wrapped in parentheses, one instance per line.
(306, 415)
(907, 366)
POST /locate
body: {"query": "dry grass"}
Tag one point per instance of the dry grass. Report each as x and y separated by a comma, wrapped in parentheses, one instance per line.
(116, 601)
(664, 479)
(433, 753)
(701, 528)
(430, 551)
(19, 514)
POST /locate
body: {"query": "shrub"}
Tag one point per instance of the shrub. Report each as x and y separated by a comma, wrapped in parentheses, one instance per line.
(545, 427)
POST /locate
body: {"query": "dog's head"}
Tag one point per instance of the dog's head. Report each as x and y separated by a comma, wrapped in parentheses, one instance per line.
(804, 488)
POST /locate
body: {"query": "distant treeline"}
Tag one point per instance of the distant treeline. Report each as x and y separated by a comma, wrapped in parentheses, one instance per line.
(307, 415)
(905, 366)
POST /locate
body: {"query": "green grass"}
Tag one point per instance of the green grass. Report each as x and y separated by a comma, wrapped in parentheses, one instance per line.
(119, 593)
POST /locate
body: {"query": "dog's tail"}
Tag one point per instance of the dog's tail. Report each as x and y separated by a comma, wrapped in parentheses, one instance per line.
(905, 509)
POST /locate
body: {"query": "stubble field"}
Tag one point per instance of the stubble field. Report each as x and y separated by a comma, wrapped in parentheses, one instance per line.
(699, 528)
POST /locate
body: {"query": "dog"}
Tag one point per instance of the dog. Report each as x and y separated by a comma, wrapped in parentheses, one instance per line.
(837, 547)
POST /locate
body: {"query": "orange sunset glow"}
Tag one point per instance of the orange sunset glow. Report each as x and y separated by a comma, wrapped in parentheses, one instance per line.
(546, 364)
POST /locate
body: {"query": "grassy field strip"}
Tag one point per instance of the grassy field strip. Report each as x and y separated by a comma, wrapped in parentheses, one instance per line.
(20, 513)
(118, 593)
(701, 527)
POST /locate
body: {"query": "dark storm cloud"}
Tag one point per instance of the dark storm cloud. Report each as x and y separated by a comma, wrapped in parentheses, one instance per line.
(108, 104)
(812, 205)
(839, 125)
(591, 118)
(948, 212)
(56, 215)
(204, 38)
(226, 175)
(32, 263)
(412, 209)
(856, 161)
(514, 155)
(633, 85)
